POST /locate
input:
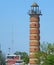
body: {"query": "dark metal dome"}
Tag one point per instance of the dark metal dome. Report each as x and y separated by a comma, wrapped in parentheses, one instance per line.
(34, 5)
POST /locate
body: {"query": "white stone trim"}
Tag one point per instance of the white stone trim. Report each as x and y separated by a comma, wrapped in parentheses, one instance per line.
(34, 34)
(32, 53)
(33, 59)
(34, 28)
(33, 64)
(34, 46)
(34, 40)
(34, 22)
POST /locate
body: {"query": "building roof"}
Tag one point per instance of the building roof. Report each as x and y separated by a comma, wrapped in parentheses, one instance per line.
(34, 5)
(13, 55)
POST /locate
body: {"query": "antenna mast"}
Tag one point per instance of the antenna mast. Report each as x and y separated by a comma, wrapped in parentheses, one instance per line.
(9, 51)
(12, 41)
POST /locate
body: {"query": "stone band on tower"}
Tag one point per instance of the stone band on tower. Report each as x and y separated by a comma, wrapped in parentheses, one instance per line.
(34, 32)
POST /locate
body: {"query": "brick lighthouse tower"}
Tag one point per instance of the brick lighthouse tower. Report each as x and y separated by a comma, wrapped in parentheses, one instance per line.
(34, 32)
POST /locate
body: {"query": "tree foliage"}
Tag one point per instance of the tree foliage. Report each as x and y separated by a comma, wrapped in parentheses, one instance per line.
(46, 55)
(49, 60)
(2, 59)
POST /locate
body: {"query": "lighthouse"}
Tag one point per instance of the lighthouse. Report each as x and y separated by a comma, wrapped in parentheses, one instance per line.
(34, 14)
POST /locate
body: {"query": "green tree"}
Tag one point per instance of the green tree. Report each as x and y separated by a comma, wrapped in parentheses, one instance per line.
(49, 60)
(2, 59)
(50, 48)
(46, 55)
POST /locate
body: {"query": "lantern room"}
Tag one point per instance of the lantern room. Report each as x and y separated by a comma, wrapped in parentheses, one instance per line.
(34, 9)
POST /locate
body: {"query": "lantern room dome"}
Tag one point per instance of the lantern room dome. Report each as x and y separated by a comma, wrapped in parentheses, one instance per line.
(34, 5)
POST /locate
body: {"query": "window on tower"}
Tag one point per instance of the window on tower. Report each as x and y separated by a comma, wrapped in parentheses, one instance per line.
(34, 24)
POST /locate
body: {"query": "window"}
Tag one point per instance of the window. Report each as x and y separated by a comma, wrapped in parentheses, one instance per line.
(10, 57)
(34, 24)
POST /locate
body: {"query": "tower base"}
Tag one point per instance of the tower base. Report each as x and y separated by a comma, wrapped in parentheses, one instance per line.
(33, 64)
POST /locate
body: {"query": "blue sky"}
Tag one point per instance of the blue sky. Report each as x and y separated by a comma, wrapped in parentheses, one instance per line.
(14, 23)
